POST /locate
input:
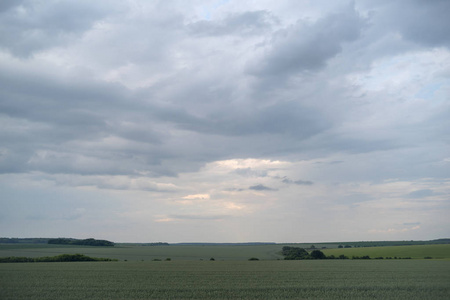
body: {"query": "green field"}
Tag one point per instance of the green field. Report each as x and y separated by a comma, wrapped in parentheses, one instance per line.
(219, 252)
(415, 252)
(330, 279)
(147, 253)
(190, 274)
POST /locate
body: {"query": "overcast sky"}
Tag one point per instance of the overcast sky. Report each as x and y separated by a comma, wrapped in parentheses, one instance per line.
(225, 121)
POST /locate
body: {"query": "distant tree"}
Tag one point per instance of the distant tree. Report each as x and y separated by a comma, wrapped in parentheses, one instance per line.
(347, 246)
(212, 258)
(317, 254)
(340, 246)
(312, 247)
(294, 253)
(253, 258)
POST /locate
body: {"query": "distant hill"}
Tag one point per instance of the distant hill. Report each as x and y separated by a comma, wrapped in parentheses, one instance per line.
(396, 243)
(59, 241)
(4, 240)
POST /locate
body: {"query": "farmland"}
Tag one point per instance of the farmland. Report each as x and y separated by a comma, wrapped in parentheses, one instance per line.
(191, 275)
(415, 251)
(219, 252)
(331, 279)
(146, 253)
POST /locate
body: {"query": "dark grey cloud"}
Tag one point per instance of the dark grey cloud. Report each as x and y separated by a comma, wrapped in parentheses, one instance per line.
(234, 190)
(421, 193)
(30, 26)
(297, 182)
(306, 46)
(412, 224)
(423, 22)
(199, 217)
(241, 24)
(287, 117)
(89, 126)
(249, 172)
(260, 187)
(8, 4)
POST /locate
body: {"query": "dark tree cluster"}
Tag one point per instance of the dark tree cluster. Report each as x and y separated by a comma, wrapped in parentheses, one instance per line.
(58, 258)
(86, 242)
(295, 253)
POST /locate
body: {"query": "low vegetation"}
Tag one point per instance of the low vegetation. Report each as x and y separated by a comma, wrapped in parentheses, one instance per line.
(295, 253)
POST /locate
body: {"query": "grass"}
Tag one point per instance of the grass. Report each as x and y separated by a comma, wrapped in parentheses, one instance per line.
(387, 279)
(415, 252)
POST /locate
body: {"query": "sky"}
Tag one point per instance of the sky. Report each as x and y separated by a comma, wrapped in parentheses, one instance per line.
(225, 121)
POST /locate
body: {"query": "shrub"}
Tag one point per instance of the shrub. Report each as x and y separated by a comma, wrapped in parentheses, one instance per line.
(293, 253)
(317, 254)
(253, 258)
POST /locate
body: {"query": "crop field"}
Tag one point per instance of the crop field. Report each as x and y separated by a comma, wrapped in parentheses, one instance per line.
(415, 251)
(218, 252)
(326, 279)
(146, 253)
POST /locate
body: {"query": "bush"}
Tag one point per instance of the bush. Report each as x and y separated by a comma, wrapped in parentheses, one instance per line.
(361, 257)
(253, 258)
(317, 254)
(293, 253)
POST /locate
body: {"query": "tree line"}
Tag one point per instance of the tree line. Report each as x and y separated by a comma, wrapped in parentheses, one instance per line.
(86, 242)
(58, 258)
(295, 253)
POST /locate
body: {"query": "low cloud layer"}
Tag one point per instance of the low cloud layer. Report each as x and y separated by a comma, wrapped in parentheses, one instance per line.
(198, 120)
